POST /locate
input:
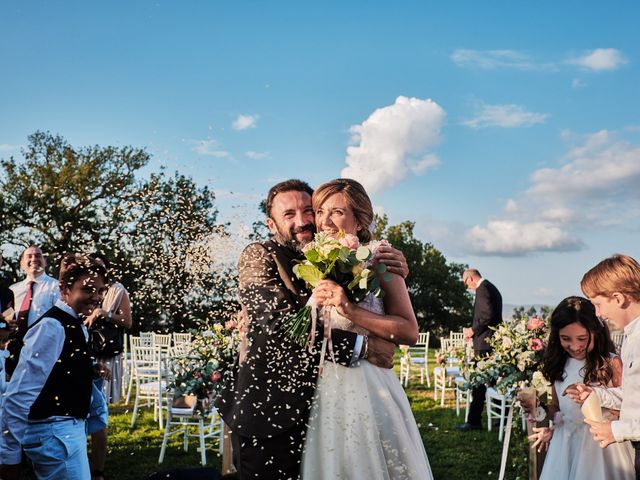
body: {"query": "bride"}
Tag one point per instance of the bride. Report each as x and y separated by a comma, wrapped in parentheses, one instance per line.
(361, 425)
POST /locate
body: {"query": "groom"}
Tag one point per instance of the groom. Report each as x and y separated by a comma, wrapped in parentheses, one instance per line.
(267, 403)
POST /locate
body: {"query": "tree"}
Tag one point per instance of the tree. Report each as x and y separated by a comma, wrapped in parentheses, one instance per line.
(159, 232)
(60, 197)
(175, 253)
(439, 297)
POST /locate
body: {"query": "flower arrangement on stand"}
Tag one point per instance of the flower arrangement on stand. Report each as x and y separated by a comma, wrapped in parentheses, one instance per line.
(515, 364)
(516, 359)
(199, 373)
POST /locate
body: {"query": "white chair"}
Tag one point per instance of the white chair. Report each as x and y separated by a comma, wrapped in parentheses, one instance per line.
(456, 336)
(145, 340)
(416, 359)
(497, 409)
(179, 350)
(179, 338)
(162, 341)
(182, 418)
(443, 377)
(150, 384)
(463, 394)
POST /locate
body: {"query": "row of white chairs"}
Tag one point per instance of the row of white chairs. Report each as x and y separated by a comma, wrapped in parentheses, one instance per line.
(151, 373)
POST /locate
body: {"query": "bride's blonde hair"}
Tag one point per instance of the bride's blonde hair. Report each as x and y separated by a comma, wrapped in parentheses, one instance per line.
(357, 199)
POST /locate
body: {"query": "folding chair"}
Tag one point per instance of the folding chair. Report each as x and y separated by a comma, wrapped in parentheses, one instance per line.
(497, 409)
(185, 416)
(179, 338)
(150, 384)
(416, 359)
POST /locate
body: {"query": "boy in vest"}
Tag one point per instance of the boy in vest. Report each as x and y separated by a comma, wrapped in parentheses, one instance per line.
(48, 397)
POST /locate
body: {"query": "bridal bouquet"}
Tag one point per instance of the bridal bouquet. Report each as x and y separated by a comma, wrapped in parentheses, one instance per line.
(341, 258)
(516, 359)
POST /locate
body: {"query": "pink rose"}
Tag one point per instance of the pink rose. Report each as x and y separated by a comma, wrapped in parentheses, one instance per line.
(196, 374)
(536, 344)
(350, 241)
(216, 376)
(230, 325)
(534, 324)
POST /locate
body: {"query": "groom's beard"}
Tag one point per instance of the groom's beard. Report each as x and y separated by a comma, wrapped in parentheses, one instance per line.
(288, 238)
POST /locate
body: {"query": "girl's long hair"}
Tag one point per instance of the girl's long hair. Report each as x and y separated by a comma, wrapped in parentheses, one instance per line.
(597, 369)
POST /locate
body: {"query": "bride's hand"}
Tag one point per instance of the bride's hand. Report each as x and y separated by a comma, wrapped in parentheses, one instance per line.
(329, 294)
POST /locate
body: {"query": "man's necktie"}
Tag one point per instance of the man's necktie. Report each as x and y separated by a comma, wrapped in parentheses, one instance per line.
(23, 313)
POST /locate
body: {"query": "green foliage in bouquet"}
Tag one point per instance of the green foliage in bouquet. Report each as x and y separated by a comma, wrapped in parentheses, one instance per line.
(516, 359)
(201, 370)
(341, 258)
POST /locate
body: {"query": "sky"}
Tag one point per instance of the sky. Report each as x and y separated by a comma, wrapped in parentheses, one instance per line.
(507, 131)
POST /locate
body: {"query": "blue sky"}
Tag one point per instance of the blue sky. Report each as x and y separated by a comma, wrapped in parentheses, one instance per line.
(508, 131)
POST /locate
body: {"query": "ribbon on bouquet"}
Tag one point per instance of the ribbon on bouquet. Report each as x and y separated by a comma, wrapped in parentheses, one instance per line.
(327, 343)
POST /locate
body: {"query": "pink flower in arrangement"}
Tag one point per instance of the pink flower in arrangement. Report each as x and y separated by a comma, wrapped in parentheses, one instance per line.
(350, 241)
(534, 324)
(216, 376)
(196, 374)
(536, 344)
(439, 359)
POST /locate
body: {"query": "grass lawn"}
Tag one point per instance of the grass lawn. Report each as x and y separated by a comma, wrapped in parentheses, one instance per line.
(133, 454)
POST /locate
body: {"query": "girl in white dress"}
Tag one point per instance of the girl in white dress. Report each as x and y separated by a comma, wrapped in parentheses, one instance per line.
(361, 425)
(579, 350)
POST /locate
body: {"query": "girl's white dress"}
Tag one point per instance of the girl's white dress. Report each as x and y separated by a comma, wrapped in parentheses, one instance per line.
(361, 425)
(573, 453)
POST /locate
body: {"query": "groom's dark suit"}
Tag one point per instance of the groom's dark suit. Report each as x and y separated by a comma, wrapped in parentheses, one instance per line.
(487, 312)
(266, 403)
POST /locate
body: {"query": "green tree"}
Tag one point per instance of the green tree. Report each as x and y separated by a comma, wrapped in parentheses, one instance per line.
(174, 247)
(159, 231)
(60, 197)
(439, 297)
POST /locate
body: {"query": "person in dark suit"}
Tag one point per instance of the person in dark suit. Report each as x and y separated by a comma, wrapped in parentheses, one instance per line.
(487, 312)
(267, 397)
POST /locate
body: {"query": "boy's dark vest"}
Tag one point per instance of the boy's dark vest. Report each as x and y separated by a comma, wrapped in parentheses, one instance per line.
(67, 391)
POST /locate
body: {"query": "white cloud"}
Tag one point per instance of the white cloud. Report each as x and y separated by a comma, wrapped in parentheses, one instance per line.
(602, 168)
(210, 148)
(577, 83)
(597, 60)
(512, 238)
(593, 187)
(244, 122)
(257, 155)
(600, 59)
(511, 206)
(394, 141)
(559, 215)
(505, 116)
(492, 59)
(7, 147)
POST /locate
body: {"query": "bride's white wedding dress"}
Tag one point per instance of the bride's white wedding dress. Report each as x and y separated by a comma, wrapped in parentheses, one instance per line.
(361, 425)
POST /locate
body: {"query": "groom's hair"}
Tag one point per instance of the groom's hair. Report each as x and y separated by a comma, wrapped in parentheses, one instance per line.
(292, 185)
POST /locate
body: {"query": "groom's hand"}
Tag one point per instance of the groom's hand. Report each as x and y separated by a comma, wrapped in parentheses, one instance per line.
(394, 260)
(380, 352)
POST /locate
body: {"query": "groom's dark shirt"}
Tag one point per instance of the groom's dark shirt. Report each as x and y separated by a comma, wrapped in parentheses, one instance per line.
(271, 391)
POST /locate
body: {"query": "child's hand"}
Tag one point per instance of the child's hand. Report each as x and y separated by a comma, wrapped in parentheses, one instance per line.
(541, 438)
(601, 432)
(578, 392)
